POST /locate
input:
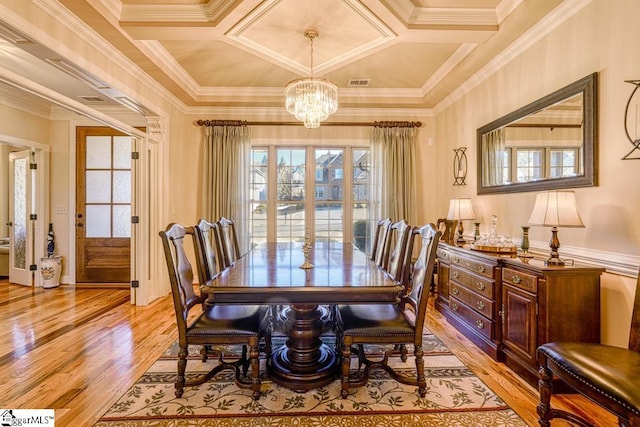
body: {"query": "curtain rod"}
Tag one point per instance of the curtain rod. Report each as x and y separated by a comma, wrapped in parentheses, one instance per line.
(384, 124)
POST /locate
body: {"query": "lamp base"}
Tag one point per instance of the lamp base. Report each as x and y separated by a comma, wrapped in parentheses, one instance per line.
(554, 262)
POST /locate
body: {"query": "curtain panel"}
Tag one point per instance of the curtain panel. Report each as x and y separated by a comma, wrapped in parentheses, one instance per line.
(225, 177)
(493, 146)
(393, 181)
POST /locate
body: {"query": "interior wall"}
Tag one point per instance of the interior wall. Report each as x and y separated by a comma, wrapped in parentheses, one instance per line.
(601, 37)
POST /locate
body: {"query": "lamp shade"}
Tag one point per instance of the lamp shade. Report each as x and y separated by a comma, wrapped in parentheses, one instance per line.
(460, 209)
(556, 209)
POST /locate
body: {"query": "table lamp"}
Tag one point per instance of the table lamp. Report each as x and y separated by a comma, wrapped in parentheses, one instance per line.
(555, 209)
(460, 210)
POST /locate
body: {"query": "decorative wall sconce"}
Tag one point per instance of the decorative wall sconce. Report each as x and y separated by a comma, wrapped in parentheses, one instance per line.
(635, 120)
(460, 166)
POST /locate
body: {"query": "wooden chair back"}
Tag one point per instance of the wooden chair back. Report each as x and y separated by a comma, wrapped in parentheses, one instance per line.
(229, 241)
(448, 228)
(399, 238)
(180, 275)
(209, 250)
(417, 297)
(380, 227)
(382, 246)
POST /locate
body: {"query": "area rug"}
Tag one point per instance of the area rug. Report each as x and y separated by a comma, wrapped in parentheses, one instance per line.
(455, 397)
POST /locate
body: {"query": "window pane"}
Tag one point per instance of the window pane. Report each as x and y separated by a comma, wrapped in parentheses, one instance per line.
(530, 165)
(360, 174)
(290, 225)
(330, 163)
(98, 155)
(361, 227)
(328, 222)
(121, 187)
(290, 172)
(122, 152)
(98, 187)
(121, 221)
(98, 221)
(258, 186)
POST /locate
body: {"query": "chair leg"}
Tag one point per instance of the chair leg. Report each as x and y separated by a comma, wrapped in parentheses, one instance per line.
(182, 367)
(545, 413)
(254, 359)
(204, 350)
(346, 367)
(421, 378)
(244, 361)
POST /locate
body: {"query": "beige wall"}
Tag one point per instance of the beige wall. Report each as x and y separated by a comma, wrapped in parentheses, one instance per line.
(599, 38)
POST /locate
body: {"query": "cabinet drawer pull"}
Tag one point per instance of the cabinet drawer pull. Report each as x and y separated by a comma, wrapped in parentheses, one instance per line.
(516, 279)
(456, 275)
(456, 260)
(454, 306)
(455, 291)
(479, 324)
(482, 268)
(480, 305)
(481, 286)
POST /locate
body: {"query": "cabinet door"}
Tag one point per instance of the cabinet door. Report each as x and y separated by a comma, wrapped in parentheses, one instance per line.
(519, 326)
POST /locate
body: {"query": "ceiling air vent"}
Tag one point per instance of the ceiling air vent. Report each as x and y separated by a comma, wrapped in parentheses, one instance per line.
(92, 98)
(358, 82)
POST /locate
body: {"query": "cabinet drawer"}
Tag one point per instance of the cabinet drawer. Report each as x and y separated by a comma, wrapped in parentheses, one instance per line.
(472, 265)
(475, 320)
(477, 302)
(524, 281)
(478, 284)
(443, 255)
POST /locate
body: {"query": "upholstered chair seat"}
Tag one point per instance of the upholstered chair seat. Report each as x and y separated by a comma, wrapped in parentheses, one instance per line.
(607, 375)
(387, 320)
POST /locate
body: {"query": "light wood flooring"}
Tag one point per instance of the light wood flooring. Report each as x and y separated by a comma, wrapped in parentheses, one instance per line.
(78, 350)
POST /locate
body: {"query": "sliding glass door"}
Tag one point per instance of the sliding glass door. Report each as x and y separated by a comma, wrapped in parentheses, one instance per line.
(300, 190)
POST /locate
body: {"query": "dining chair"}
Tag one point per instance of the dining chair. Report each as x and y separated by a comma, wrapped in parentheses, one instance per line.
(379, 255)
(606, 375)
(210, 256)
(396, 265)
(393, 324)
(213, 324)
(376, 244)
(448, 228)
(229, 241)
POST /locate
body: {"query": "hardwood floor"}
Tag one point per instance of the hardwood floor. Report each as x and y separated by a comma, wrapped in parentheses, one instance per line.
(78, 350)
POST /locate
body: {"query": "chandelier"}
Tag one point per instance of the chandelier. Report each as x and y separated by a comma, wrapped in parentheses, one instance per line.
(310, 99)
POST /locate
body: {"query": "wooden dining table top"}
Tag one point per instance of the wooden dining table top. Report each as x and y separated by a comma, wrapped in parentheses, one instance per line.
(270, 273)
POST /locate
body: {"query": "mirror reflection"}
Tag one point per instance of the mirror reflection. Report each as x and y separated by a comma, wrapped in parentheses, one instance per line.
(547, 144)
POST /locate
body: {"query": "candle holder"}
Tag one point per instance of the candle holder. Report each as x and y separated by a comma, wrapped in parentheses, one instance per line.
(525, 243)
(476, 233)
(306, 247)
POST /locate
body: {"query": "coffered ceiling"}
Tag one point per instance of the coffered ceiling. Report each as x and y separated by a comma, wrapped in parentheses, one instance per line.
(408, 54)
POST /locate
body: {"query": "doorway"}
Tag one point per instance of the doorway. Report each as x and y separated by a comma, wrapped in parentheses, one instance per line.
(103, 205)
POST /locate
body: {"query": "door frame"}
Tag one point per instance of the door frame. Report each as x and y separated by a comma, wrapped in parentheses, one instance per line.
(148, 267)
(41, 196)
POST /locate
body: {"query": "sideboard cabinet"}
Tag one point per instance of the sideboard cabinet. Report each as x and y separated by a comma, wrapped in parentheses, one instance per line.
(509, 306)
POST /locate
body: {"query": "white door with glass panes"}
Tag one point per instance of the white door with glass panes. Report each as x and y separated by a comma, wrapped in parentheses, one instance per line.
(103, 205)
(20, 223)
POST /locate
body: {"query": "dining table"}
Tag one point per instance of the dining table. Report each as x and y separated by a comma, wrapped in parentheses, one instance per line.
(304, 279)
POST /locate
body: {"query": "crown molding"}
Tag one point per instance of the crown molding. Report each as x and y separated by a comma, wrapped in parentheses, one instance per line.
(559, 15)
(19, 100)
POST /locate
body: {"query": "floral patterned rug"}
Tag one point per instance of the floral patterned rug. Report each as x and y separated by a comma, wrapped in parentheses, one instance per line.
(455, 397)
